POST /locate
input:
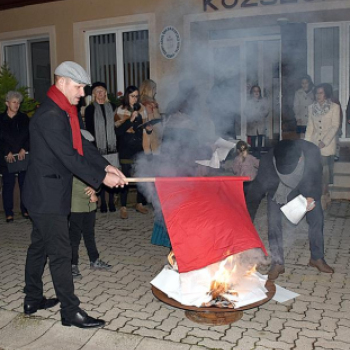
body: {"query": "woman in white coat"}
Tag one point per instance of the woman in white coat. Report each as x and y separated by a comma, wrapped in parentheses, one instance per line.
(322, 128)
(304, 97)
(256, 111)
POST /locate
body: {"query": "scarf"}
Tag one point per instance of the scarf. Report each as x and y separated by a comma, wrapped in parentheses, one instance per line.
(106, 140)
(61, 101)
(318, 110)
(288, 182)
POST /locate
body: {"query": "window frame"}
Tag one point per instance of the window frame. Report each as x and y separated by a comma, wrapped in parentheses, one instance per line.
(118, 31)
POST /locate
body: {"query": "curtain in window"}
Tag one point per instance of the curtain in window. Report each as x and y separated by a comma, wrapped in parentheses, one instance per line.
(136, 57)
(103, 60)
(15, 57)
(327, 57)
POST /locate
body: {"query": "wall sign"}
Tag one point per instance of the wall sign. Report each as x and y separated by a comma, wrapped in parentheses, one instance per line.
(170, 42)
(230, 4)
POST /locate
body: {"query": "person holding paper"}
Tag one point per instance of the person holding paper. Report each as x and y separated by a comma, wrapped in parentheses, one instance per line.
(14, 140)
(292, 168)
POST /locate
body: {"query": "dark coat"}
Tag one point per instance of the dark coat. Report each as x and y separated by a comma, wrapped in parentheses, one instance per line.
(267, 180)
(14, 135)
(53, 161)
(129, 143)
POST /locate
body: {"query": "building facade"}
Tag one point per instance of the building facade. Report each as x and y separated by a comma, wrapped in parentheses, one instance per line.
(231, 43)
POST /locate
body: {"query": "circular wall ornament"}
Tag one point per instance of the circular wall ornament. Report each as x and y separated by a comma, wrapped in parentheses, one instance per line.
(170, 42)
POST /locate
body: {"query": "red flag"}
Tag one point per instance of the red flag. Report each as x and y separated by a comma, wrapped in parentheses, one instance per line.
(207, 219)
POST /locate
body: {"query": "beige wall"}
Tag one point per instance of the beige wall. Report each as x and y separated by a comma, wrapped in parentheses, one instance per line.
(65, 22)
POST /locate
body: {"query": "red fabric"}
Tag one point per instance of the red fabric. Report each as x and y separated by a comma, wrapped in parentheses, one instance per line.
(62, 102)
(207, 219)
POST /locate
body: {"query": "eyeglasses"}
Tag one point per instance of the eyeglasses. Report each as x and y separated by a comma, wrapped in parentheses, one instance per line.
(134, 96)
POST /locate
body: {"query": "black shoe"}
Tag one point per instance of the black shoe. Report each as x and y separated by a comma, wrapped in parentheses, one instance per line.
(9, 218)
(43, 305)
(112, 208)
(25, 215)
(103, 209)
(82, 320)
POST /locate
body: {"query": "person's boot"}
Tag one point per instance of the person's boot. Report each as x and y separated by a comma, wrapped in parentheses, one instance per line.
(123, 213)
(321, 265)
(275, 271)
(141, 209)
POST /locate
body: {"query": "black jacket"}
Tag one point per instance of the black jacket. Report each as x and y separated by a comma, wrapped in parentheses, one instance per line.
(267, 180)
(53, 161)
(129, 144)
(14, 135)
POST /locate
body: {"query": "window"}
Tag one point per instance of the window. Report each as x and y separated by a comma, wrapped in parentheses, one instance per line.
(329, 60)
(29, 61)
(120, 57)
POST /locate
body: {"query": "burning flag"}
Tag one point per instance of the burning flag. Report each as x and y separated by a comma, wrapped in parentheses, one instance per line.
(207, 219)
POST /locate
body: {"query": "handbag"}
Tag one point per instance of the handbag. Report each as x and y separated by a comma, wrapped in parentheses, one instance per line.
(18, 165)
(113, 159)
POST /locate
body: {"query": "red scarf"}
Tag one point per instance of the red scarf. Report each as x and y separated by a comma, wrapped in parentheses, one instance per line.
(62, 102)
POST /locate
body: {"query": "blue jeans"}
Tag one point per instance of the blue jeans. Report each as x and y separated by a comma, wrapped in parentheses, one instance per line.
(314, 218)
(8, 186)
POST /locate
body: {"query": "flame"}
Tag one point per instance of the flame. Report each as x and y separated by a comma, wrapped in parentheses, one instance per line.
(226, 276)
(251, 271)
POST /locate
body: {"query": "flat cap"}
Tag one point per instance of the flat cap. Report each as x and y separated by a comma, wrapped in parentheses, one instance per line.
(70, 69)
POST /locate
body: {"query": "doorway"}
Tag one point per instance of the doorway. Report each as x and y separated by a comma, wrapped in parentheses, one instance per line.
(241, 64)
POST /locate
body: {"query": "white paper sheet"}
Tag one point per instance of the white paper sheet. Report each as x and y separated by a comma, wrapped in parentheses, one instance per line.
(295, 209)
(223, 147)
(192, 288)
(282, 295)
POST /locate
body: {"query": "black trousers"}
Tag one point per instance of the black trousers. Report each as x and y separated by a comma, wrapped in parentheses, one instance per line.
(50, 239)
(102, 195)
(83, 224)
(314, 218)
(9, 181)
(126, 169)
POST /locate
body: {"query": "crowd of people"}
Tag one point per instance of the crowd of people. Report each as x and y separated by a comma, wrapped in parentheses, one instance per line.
(73, 163)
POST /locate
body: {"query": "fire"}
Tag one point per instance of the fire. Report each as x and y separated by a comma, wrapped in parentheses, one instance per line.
(226, 277)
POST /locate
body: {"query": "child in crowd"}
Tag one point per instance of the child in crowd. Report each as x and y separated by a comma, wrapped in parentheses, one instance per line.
(245, 164)
(82, 223)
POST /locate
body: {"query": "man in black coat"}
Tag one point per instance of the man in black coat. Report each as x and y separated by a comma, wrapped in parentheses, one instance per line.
(57, 152)
(293, 167)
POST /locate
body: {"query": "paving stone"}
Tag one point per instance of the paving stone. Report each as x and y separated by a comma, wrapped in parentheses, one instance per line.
(154, 344)
(331, 344)
(103, 340)
(153, 333)
(178, 333)
(304, 343)
(199, 333)
(246, 343)
(288, 335)
(302, 324)
(273, 345)
(216, 344)
(117, 323)
(317, 334)
(342, 335)
(190, 340)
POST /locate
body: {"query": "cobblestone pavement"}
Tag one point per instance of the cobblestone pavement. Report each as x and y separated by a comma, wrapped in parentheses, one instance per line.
(318, 319)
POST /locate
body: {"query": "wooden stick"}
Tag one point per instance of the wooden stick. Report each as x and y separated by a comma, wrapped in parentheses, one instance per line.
(140, 179)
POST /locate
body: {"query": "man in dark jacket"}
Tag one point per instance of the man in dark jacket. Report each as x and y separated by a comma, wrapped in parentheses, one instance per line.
(57, 152)
(14, 143)
(293, 167)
